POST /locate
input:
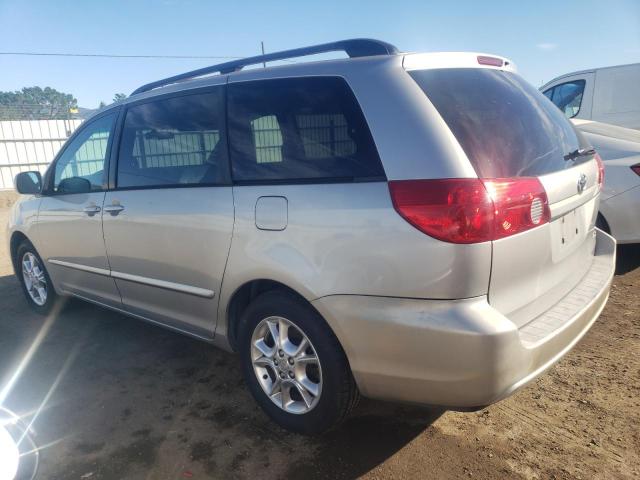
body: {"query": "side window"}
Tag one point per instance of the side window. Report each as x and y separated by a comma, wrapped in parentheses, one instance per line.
(80, 169)
(568, 97)
(299, 129)
(548, 93)
(174, 141)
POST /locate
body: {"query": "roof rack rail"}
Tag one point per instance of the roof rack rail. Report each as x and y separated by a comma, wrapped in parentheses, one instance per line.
(356, 47)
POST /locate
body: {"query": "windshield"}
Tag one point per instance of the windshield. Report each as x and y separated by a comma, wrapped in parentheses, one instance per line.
(505, 126)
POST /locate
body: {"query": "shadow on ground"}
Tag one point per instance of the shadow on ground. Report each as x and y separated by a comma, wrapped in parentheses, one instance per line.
(373, 434)
(113, 397)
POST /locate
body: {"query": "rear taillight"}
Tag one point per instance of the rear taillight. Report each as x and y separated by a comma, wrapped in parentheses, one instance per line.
(636, 169)
(454, 210)
(600, 171)
(520, 204)
(471, 210)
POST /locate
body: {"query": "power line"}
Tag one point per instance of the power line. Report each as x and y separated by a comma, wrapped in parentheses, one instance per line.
(107, 55)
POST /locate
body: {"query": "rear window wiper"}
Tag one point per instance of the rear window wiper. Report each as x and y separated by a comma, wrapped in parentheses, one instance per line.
(580, 152)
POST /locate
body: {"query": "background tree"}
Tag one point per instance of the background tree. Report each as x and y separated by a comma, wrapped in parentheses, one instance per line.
(36, 103)
(119, 96)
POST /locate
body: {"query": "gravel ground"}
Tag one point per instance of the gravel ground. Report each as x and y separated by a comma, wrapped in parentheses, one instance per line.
(117, 398)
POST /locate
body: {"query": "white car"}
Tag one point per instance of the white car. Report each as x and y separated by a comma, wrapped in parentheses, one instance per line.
(619, 149)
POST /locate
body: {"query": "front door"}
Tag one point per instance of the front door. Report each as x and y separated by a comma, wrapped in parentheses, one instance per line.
(69, 228)
(168, 222)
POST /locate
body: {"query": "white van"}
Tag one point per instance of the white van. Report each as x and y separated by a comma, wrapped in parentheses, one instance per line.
(609, 95)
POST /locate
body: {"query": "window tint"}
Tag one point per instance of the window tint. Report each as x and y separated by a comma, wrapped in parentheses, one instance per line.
(548, 93)
(81, 166)
(299, 129)
(174, 141)
(505, 126)
(568, 97)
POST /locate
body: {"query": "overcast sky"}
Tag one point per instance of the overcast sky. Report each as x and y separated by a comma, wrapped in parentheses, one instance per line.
(544, 38)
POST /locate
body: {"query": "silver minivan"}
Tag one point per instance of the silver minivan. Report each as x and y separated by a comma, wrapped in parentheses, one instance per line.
(409, 227)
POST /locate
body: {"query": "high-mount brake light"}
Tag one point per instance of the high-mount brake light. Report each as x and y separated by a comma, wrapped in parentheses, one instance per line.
(492, 61)
(636, 168)
(471, 210)
(600, 171)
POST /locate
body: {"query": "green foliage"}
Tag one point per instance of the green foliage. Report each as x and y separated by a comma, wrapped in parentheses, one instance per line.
(36, 103)
(119, 96)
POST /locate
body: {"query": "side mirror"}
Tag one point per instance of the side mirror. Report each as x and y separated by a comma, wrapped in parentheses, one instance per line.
(29, 183)
(74, 185)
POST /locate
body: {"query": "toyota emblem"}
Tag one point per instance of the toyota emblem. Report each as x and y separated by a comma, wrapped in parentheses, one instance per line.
(582, 182)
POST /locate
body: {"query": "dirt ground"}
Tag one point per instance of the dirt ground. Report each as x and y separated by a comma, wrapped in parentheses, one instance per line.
(120, 399)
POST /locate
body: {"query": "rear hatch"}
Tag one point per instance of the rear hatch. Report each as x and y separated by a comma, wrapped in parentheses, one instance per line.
(511, 132)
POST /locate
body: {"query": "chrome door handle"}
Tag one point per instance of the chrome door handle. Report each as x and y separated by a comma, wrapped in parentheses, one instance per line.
(113, 209)
(91, 210)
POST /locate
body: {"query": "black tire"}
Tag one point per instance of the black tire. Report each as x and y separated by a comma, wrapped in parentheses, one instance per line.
(52, 298)
(339, 393)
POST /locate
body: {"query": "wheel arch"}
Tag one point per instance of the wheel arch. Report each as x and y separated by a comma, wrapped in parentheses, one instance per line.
(17, 238)
(244, 295)
(601, 222)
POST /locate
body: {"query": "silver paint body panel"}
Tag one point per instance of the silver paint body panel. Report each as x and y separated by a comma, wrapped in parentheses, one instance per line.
(461, 353)
(168, 249)
(64, 232)
(533, 270)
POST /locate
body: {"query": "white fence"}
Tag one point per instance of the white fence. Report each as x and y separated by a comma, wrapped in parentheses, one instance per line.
(30, 145)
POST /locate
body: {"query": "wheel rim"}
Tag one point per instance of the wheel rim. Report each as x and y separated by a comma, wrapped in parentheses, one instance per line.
(286, 365)
(34, 278)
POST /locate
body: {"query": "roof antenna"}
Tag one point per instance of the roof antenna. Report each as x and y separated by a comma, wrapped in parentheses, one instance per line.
(264, 64)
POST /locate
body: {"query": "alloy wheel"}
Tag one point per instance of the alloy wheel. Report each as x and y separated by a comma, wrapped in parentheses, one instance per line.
(286, 365)
(34, 279)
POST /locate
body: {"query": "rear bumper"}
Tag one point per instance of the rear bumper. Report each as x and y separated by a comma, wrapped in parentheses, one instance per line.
(461, 353)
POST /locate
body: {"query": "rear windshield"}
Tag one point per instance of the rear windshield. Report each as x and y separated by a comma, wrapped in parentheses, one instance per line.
(506, 127)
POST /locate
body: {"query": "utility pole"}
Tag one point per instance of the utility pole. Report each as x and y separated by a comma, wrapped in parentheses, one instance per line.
(264, 64)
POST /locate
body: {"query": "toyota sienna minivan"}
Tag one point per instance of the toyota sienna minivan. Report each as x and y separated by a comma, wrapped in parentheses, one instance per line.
(413, 227)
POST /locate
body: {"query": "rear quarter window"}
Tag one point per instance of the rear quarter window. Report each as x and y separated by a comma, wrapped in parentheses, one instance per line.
(299, 129)
(506, 127)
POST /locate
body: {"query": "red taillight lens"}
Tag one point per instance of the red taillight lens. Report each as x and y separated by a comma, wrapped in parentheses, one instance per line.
(470, 210)
(636, 169)
(520, 204)
(454, 210)
(600, 171)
